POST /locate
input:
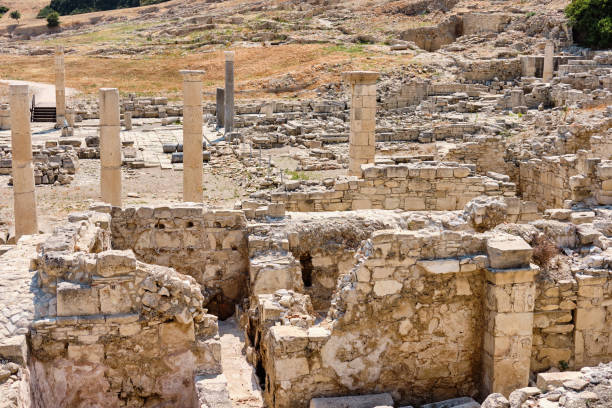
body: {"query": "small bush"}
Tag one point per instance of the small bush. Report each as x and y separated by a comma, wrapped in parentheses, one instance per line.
(3, 9)
(44, 12)
(544, 250)
(591, 22)
(15, 15)
(53, 19)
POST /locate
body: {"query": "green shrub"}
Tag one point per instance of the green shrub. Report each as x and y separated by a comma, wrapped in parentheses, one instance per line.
(591, 22)
(53, 19)
(15, 15)
(3, 9)
(44, 12)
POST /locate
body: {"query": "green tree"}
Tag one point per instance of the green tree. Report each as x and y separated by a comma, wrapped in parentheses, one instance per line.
(53, 19)
(15, 15)
(591, 22)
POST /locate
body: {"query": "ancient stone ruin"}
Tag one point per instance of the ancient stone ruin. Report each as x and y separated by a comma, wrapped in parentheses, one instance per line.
(436, 241)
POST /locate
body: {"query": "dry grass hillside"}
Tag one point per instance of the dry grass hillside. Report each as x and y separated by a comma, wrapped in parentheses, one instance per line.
(142, 49)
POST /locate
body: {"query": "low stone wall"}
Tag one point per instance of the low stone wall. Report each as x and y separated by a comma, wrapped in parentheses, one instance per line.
(487, 70)
(418, 186)
(51, 165)
(209, 245)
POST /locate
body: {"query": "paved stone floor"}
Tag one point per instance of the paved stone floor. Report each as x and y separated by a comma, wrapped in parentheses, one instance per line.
(147, 136)
(17, 292)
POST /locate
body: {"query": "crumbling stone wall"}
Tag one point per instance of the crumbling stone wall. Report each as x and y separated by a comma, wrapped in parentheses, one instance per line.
(552, 180)
(486, 152)
(112, 331)
(417, 186)
(382, 321)
(487, 70)
(407, 319)
(209, 245)
(51, 164)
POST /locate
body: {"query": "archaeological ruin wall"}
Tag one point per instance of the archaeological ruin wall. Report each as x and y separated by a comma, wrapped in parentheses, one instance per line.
(420, 186)
(110, 330)
(208, 245)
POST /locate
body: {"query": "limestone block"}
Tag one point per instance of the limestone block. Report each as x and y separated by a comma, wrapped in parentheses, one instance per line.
(115, 299)
(544, 380)
(357, 401)
(387, 287)
(591, 319)
(508, 252)
(115, 263)
(175, 336)
(290, 368)
(74, 300)
(440, 266)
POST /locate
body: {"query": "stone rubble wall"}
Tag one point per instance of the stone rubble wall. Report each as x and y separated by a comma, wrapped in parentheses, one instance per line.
(51, 164)
(97, 304)
(428, 186)
(407, 319)
(208, 245)
(486, 152)
(552, 180)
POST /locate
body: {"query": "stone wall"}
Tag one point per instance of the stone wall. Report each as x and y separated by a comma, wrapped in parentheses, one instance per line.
(407, 319)
(552, 180)
(486, 152)
(51, 164)
(112, 331)
(209, 245)
(487, 70)
(429, 186)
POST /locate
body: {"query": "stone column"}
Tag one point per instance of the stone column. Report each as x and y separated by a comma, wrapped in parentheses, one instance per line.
(509, 302)
(229, 92)
(23, 172)
(127, 119)
(60, 86)
(5, 117)
(549, 52)
(192, 136)
(110, 147)
(362, 141)
(220, 107)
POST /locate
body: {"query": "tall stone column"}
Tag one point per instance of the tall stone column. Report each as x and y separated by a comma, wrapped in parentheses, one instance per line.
(110, 147)
(60, 86)
(220, 107)
(193, 168)
(229, 92)
(549, 51)
(362, 141)
(509, 303)
(23, 172)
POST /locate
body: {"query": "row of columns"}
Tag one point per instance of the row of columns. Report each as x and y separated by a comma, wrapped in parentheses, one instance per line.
(362, 139)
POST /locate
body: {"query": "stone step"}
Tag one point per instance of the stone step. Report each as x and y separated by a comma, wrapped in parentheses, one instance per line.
(353, 401)
(212, 391)
(461, 402)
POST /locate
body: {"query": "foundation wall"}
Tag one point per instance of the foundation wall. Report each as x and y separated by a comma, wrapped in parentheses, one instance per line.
(208, 245)
(405, 326)
(419, 186)
(112, 331)
(552, 180)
